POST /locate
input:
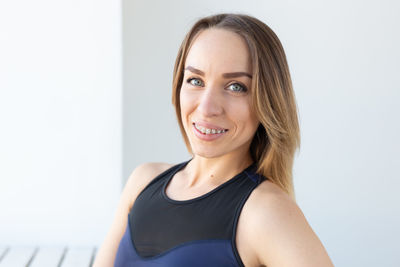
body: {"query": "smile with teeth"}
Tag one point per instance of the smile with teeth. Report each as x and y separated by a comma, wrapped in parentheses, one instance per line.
(209, 131)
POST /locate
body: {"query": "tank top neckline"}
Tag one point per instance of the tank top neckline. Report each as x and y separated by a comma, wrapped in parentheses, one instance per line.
(187, 201)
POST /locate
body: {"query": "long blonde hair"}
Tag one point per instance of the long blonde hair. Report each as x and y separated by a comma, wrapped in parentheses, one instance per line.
(278, 135)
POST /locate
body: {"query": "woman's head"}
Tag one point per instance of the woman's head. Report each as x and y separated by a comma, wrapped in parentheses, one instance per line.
(215, 96)
(257, 110)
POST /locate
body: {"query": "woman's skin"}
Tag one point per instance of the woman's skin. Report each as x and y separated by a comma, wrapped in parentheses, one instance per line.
(271, 231)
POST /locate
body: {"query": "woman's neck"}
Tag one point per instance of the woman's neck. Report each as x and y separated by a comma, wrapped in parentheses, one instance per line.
(202, 171)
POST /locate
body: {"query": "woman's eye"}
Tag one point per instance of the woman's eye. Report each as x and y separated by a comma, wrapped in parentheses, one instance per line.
(194, 81)
(237, 87)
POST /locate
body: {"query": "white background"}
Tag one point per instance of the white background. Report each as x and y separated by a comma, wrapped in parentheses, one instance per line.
(60, 119)
(77, 117)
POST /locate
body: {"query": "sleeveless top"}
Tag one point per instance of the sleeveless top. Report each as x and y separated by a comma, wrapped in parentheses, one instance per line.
(180, 233)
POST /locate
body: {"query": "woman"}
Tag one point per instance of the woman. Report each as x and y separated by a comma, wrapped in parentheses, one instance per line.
(237, 113)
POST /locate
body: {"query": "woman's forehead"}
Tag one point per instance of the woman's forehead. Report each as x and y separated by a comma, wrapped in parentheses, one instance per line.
(219, 50)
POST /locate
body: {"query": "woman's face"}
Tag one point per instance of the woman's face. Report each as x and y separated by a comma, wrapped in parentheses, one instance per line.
(215, 95)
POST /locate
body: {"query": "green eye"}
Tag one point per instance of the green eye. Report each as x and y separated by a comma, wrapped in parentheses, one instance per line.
(237, 87)
(194, 81)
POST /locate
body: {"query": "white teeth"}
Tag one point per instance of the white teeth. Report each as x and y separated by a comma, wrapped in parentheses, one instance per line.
(208, 131)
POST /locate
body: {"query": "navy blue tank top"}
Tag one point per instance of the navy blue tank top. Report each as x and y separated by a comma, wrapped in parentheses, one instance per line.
(180, 233)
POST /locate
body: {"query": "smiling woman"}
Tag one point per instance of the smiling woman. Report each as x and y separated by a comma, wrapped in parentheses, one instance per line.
(232, 203)
(215, 96)
(236, 42)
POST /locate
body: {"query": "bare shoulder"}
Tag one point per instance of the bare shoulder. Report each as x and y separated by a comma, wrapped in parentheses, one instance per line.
(279, 232)
(149, 169)
(142, 175)
(137, 181)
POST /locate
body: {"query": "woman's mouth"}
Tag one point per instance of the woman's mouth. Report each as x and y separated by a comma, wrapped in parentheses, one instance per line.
(208, 134)
(205, 130)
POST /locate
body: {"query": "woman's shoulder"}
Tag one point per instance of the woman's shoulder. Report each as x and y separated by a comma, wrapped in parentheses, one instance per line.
(279, 231)
(268, 201)
(152, 168)
(142, 175)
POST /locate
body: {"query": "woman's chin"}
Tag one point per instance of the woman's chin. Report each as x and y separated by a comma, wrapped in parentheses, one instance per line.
(207, 153)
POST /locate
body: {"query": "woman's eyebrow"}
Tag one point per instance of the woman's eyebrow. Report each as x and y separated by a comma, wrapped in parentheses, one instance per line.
(225, 75)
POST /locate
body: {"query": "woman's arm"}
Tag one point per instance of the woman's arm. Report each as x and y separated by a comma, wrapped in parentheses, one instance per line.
(137, 181)
(282, 236)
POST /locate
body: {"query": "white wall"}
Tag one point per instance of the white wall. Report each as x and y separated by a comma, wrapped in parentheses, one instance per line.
(60, 120)
(344, 58)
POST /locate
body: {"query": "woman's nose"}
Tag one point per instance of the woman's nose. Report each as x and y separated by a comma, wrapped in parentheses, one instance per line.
(210, 103)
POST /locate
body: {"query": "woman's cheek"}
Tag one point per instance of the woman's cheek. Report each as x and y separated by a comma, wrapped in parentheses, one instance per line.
(188, 98)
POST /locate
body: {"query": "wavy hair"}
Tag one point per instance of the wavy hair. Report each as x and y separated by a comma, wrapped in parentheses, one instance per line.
(273, 100)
